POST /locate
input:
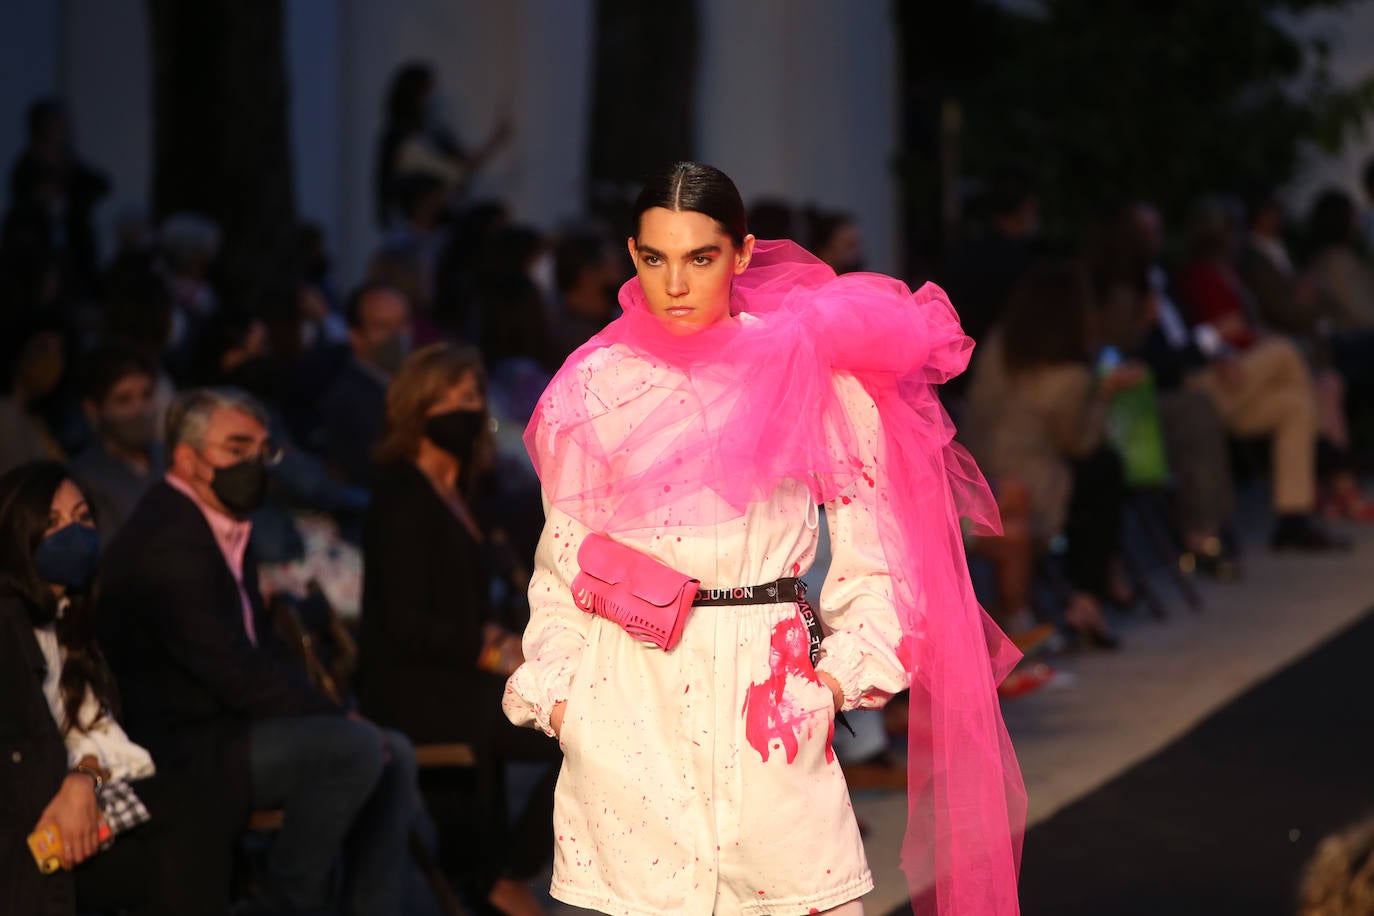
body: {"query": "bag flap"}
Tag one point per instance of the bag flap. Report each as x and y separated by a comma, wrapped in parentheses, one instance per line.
(644, 577)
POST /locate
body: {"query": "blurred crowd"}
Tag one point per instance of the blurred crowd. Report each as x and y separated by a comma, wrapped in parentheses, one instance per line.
(313, 524)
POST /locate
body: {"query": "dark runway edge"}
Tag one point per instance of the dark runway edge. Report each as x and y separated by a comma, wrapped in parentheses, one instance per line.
(1222, 820)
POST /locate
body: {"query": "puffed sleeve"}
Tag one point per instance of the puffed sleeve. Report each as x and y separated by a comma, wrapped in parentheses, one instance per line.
(557, 630)
(860, 648)
(103, 739)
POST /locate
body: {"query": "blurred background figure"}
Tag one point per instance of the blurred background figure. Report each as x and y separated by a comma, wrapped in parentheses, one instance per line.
(415, 139)
(124, 455)
(436, 647)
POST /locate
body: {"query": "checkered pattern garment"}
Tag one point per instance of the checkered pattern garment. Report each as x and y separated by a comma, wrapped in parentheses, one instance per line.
(122, 807)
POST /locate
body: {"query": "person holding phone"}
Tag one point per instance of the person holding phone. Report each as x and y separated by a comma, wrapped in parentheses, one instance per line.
(69, 769)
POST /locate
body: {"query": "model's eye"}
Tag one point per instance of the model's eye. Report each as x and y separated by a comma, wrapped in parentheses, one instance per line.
(701, 260)
(651, 260)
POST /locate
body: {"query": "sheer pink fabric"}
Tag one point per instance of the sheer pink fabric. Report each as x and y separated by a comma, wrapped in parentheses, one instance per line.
(756, 404)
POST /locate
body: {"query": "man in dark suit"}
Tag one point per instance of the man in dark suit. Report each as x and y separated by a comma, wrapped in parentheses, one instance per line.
(208, 686)
(353, 410)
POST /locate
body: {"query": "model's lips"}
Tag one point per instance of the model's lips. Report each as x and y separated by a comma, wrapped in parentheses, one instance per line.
(680, 311)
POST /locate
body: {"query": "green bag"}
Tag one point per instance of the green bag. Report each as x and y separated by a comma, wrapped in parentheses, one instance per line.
(1133, 429)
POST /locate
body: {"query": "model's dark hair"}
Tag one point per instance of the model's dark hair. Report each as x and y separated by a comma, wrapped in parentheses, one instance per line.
(1331, 221)
(26, 494)
(1046, 322)
(696, 188)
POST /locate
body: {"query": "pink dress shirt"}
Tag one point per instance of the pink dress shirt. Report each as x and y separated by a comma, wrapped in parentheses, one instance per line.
(232, 536)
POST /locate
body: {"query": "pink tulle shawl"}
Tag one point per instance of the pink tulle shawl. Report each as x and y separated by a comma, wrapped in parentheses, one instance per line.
(754, 404)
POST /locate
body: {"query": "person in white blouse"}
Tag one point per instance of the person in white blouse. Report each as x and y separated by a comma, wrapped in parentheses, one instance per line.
(129, 838)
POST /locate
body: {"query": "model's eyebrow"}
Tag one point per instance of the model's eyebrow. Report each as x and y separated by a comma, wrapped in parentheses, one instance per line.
(694, 253)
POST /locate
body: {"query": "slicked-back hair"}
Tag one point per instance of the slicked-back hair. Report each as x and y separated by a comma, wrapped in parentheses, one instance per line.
(696, 188)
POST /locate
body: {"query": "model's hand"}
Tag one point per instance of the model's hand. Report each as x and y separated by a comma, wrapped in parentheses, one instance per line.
(556, 718)
(835, 689)
(77, 816)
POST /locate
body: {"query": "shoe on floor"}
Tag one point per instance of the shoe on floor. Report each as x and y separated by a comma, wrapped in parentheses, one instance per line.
(1024, 679)
(1300, 532)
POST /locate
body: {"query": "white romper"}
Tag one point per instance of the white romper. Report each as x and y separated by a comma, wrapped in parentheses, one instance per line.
(702, 780)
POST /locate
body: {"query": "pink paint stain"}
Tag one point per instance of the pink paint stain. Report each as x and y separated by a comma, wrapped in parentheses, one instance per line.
(769, 713)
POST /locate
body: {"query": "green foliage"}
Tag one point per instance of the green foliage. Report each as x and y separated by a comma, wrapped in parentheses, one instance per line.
(1170, 99)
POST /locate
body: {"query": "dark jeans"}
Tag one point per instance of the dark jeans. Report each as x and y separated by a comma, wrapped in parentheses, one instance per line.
(345, 786)
(1093, 526)
(176, 863)
(480, 838)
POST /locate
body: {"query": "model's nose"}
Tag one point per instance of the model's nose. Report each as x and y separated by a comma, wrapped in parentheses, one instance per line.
(677, 281)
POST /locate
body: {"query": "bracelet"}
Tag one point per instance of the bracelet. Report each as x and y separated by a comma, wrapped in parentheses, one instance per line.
(92, 772)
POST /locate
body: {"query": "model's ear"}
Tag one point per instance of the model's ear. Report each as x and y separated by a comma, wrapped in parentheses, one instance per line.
(633, 249)
(744, 254)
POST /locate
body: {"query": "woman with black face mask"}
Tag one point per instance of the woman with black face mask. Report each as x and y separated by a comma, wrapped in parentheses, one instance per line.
(112, 832)
(434, 649)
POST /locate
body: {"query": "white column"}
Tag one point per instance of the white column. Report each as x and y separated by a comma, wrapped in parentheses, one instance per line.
(798, 99)
(314, 64)
(106, 78)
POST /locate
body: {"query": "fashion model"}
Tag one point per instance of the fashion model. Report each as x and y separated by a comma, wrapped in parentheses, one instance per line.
(684, 455)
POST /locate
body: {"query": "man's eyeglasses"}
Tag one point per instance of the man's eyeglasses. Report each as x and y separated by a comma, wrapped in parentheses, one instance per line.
(268, 454)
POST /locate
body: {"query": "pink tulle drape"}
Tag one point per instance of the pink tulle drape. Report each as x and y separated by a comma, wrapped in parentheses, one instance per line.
(753, 402)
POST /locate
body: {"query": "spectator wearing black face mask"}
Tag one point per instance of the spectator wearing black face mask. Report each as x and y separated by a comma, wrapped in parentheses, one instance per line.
(123, 457)
(430, 632)
(210, 689)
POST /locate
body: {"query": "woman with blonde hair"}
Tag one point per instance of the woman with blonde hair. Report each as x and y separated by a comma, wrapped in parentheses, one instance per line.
(434, 650)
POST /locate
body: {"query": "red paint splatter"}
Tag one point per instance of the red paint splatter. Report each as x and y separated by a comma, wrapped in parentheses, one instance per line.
(687, 688)
(769, 712)
(868, 480)
(813, 910)
(796, 569)
(846, 500)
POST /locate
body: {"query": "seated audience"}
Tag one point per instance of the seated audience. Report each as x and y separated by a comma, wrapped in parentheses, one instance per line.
(1037, 414)
(123, 457)
(588, 277)
(209, 687)
(352, 410)
(430, 632)
(1125, 249)
(69, 764)
(35, 365)
(1341, 274)
(833, 237)
(1275, 393)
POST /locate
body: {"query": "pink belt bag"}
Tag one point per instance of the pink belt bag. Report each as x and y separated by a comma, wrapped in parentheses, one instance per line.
(650, 600)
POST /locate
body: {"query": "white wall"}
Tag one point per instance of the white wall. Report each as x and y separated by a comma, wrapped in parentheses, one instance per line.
(798, 99)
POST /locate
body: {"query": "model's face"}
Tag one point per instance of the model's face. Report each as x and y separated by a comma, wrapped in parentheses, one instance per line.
(686, 263)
